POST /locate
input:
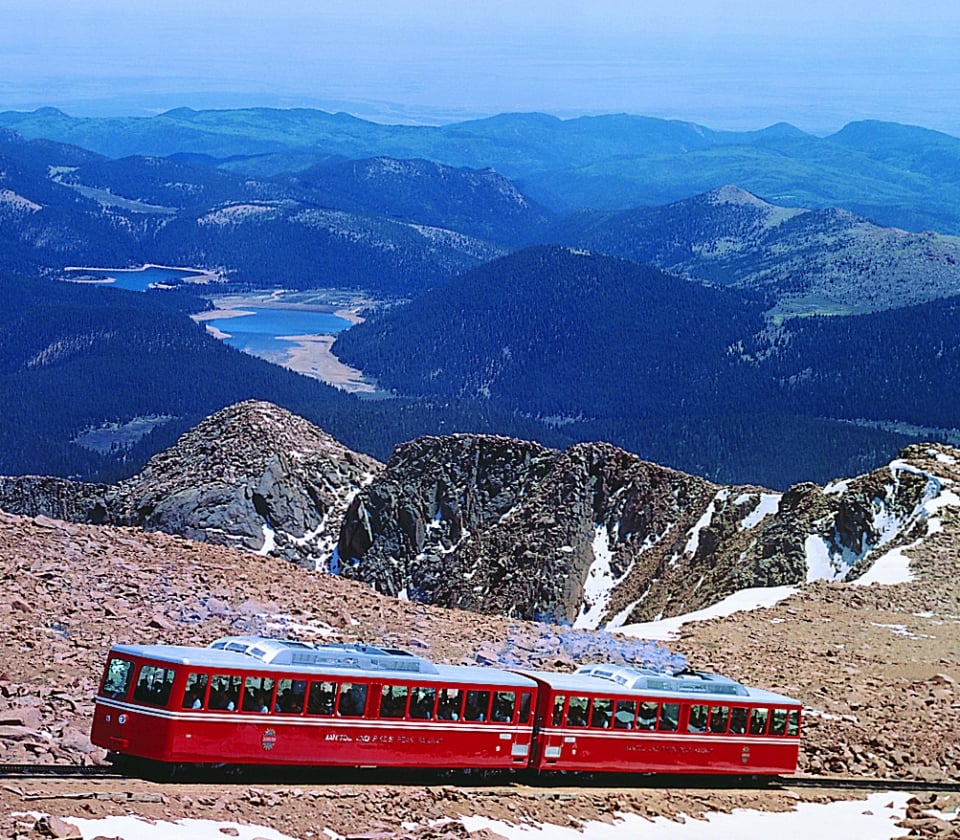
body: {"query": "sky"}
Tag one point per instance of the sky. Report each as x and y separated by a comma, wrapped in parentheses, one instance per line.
(734, 64)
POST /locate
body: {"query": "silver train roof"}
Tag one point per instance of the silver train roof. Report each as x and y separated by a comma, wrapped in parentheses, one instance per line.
(256, 653)
(616, 679)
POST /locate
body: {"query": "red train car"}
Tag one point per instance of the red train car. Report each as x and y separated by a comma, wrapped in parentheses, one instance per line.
(250, 700)
(627, 719)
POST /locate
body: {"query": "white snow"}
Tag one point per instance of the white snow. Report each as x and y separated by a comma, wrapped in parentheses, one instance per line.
(269, 541)
(870, 819)
(600, 583)
(668, 629)
(768, 505)
(819, 565)
(703, 522)
(892, 567)
(131, 827)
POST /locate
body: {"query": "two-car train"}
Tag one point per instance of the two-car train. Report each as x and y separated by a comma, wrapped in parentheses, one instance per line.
(253, 700)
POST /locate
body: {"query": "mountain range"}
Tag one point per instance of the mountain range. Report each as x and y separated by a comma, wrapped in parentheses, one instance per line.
(592, 536)
(902, 176)
(703, 365)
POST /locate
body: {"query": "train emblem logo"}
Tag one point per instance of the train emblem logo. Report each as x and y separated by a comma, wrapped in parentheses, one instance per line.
(269, 739)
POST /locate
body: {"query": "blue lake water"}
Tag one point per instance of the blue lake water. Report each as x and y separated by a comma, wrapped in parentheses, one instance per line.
(138, 279)
(259, 333)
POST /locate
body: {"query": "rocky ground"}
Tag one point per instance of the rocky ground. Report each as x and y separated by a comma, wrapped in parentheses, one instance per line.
(877, 669)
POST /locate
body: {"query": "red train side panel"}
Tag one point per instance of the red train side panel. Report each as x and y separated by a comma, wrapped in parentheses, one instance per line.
(151, 706)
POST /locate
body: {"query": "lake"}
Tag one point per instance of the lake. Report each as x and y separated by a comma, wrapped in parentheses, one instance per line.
(135, 279)
(260, 331)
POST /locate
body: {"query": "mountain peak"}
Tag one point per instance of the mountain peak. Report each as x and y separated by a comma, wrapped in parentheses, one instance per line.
(732, 194)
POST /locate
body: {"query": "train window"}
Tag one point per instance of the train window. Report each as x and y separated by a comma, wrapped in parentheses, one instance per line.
(321, 698)
(793, 722)
(290, 696)
(601, 713)
(648, 715)
(626, 712)
(669, 717)
(698, 719)
(525, 700)
(577, 711)
(422, 701)
(353, 700)
(449, 704)
(153, 685)
(224, 692)
(558, 702)
(478, 705)
(758, 721)
(778, 722)
(719, 715)
(117, 679)
(195, 692)
(738, 720)
(504, 704)
(257, 694)
(393, 701)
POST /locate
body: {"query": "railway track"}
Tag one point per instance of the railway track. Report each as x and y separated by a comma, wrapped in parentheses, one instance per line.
(869, 784)
(58, 771)
(500, 783)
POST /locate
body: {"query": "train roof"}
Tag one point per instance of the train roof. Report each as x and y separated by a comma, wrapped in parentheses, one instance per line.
(621, 679)
(259, 654)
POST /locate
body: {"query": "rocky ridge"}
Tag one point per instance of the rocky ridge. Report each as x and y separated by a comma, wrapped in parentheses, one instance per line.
(598, 537)
(253, 476)
(592, 536)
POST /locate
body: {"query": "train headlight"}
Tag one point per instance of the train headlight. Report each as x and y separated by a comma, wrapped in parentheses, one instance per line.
(121, 718)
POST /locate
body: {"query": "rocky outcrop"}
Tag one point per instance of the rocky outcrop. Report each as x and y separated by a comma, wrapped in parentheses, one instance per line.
(253, 476)
(598, 537)
(592, 536)
(60, 498)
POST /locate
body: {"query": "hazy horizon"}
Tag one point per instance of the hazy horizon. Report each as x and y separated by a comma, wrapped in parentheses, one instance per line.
(739, 65)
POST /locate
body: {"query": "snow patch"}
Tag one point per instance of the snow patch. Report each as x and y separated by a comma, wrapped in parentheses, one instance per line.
(132, 827)
(600, 583)
(668, 629)
(703, 522)
(874, 818)
(269, 541)
(768, 505)
(892, 567)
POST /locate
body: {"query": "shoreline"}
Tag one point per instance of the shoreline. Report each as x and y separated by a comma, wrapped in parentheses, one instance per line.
(310, 354)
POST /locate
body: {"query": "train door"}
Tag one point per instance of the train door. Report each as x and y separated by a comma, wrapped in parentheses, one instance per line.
(521, 747)
(552, 739)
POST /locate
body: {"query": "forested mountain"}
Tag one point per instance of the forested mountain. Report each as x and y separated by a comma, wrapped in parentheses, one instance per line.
(809, 261)
(685, 375)
(708, 372)
(894, 175)
(75, 358)
(480, 203)
(63, 206)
